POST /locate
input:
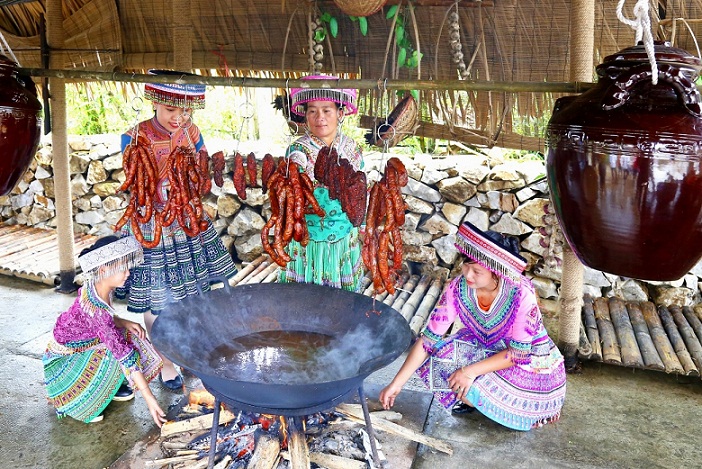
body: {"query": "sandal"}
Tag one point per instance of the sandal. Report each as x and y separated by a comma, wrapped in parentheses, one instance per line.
(460, 408)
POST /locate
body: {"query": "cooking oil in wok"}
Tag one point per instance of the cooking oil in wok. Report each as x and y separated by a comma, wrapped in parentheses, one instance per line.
(282, 357)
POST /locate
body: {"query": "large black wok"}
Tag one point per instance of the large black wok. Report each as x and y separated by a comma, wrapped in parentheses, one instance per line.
(187, 332)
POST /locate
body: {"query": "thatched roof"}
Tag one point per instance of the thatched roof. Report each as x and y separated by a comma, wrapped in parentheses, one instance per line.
(502, 40)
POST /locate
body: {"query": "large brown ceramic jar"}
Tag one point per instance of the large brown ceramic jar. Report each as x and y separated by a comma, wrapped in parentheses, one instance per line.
(20, 124)
(624, 166)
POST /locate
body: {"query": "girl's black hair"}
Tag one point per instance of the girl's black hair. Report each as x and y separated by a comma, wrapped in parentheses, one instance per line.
(104, 241)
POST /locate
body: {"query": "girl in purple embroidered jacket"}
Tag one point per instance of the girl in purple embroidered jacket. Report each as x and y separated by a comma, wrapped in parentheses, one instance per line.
(501, 361)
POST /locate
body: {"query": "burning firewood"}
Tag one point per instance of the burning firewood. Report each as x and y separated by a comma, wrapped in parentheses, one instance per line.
(395, 429)
(201, 423)
(266, 453)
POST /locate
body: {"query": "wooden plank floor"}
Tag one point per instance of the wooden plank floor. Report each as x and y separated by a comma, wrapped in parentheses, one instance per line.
(33, 253)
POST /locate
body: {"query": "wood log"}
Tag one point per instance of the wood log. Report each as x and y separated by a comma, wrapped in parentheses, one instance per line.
(331, 461)
(692, 343)
(395, 429)
(390, 415)
(610, 348)
(297, 446)
(412, 302)
(593, 334)
(203, 422)
(173, 460)
(407, 290)
(677, 342)
(694, 321)
(266, 454)
(427, 305)
(629, 348)
(648, 351)
(660, 339)
(224, 463)
(698, 311)
(243, 273)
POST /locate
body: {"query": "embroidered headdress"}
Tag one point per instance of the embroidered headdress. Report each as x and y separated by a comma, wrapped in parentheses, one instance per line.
(116, 254)
(344, 97)
(174, 94)
(492, 252)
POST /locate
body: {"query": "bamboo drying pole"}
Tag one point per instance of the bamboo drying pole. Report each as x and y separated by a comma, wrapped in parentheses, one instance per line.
(629, 348)
(660, 339)
(593, 334)
(360, 84)
(648, 350)
(610, 348)
(243, 273)
(677, 341)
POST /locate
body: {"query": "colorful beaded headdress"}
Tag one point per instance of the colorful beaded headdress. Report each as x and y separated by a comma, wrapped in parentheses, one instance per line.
(118, 255)
(344, 97)
(173, 94)
(485, 251)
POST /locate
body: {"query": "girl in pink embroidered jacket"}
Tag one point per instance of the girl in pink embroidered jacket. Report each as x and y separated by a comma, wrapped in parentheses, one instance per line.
(501, 361)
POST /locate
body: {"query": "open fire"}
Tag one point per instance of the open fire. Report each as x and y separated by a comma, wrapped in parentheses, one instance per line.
(253, 440)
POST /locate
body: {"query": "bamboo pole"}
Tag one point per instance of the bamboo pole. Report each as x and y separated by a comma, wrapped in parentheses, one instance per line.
(694, 321)
(629, 348)
(660, 339)
(407, 289)
(410, 306)
(360, 84)
(688, 335)
(426, 306)
(648, 350)
(593, 334)
(610, 348)
(677, 341)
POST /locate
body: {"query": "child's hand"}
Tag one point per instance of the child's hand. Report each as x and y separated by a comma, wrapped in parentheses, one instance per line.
(132, 327)
(460, 382)
(157, 413)
(388, 394)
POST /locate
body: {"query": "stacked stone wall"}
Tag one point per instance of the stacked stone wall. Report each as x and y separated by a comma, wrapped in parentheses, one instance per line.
(508, 196)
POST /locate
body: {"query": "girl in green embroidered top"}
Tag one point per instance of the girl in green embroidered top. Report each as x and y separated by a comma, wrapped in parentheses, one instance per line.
(333, 254)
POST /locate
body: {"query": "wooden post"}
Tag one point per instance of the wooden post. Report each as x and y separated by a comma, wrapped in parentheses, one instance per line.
(582, 47)
(55, 37)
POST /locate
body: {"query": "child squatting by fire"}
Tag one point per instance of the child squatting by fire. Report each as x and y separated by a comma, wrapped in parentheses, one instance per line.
(93, 351)
(501, 361)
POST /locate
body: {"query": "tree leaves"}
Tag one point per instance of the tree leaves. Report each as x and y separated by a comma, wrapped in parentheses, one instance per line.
(363, 25)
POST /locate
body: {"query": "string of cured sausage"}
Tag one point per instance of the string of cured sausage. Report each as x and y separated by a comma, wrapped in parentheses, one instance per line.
(291, 194)
(189, 180)
(343, 182)
(385, 216)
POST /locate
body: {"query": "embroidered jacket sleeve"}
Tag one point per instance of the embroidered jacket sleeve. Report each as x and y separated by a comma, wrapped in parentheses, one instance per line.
(525, 327)
(115, 340)
(441, 318)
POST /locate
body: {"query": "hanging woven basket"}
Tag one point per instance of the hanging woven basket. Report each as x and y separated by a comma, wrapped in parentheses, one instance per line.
(360, 7)
(401, 123)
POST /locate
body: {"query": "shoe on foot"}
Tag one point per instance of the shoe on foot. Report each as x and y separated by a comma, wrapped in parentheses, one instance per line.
(96, 419)
(175, 384)
(124, 393)
(462, 408)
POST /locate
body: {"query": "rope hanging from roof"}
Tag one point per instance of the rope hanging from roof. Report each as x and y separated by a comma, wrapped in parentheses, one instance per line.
(642, 26)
